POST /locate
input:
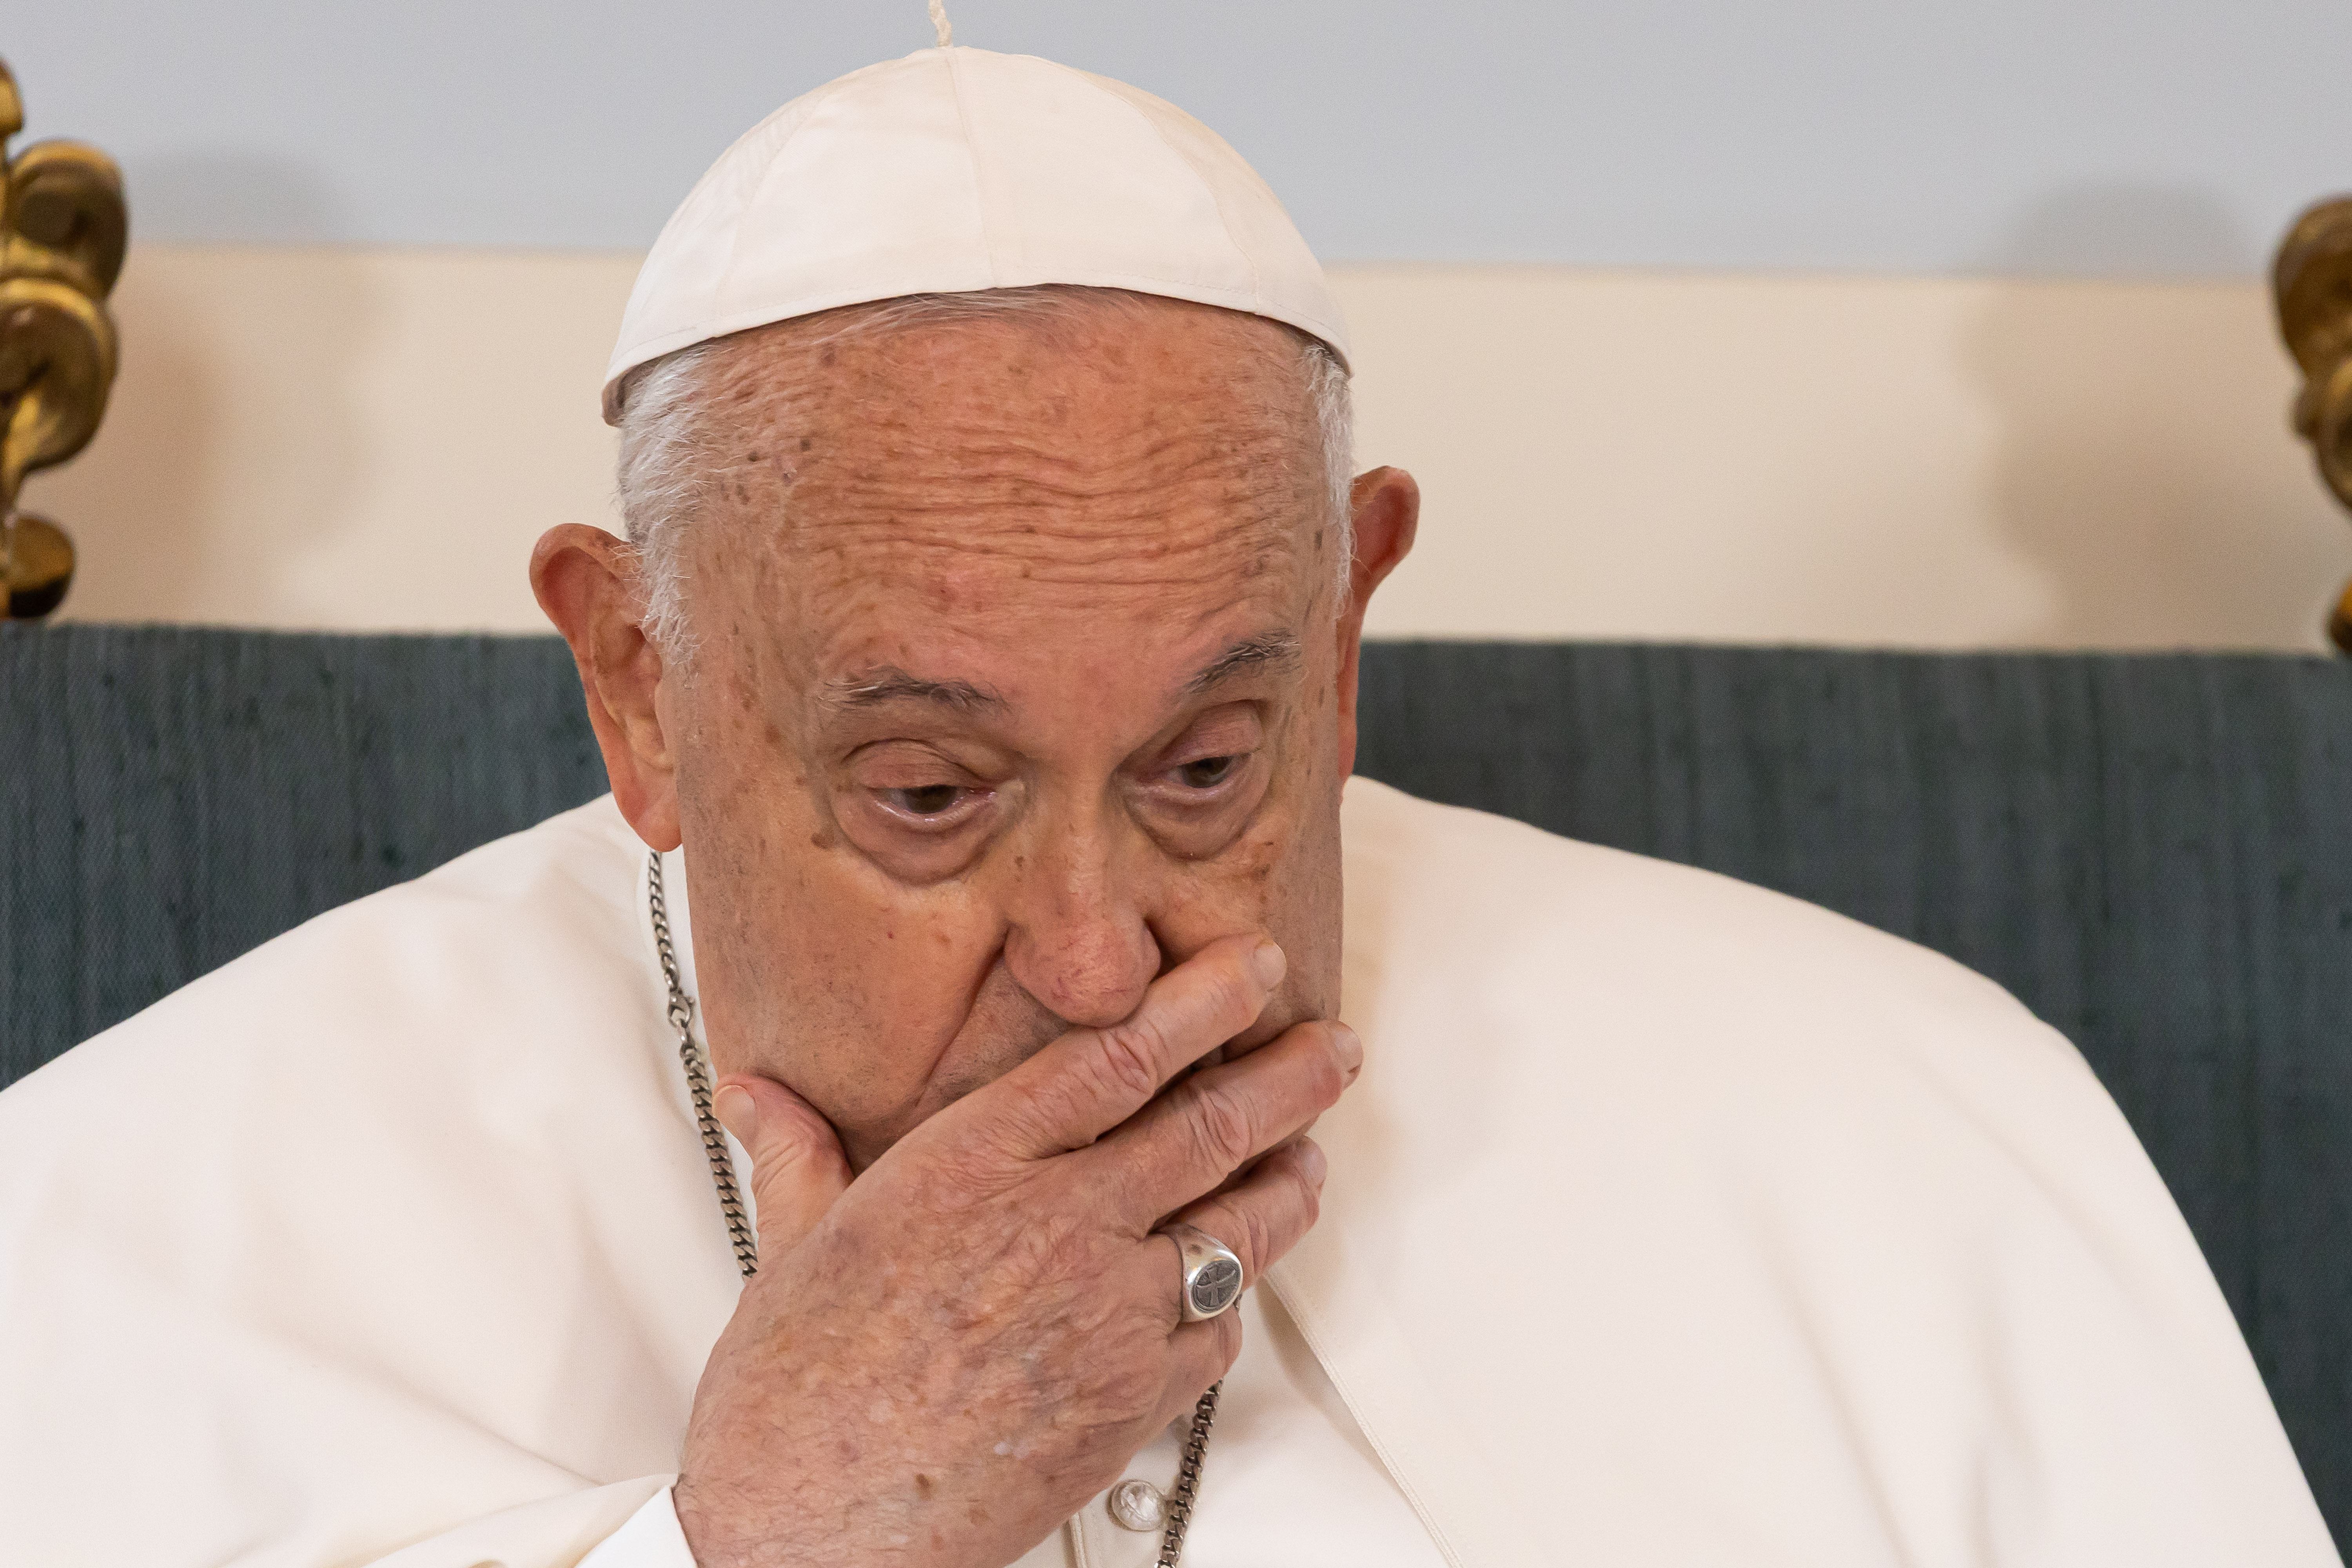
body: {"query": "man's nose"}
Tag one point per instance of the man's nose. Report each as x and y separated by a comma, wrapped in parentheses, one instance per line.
(1079, 940)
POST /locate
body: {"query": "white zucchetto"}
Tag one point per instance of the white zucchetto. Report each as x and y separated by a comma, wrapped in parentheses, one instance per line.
(955, 169)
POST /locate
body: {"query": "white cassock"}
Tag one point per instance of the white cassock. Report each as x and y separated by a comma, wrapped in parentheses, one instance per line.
(1672, 1222)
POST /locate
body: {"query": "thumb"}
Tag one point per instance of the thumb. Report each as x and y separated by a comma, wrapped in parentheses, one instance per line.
(797, 1166)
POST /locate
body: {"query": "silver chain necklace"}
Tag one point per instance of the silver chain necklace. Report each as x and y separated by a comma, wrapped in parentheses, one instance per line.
(747, 1242)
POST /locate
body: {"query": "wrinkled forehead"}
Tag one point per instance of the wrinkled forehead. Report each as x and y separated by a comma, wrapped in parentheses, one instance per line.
(1158, 454)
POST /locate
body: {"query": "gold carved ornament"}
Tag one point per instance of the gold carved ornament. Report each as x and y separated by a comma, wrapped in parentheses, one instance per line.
(62, 231)
(2312, 282)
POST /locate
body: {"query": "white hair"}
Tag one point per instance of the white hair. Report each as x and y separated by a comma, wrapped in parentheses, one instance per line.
(668, 461)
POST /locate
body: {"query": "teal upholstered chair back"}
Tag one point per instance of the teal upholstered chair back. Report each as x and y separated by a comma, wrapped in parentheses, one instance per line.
(2155, 853)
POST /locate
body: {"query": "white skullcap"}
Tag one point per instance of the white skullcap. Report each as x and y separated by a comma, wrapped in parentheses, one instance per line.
(955, 169)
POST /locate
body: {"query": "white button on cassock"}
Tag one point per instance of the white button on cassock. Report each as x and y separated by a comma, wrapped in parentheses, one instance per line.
(1138, 1504)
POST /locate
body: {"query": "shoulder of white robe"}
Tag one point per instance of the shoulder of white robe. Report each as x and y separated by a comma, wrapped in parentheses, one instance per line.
(361, 1194)
(1668, 1201)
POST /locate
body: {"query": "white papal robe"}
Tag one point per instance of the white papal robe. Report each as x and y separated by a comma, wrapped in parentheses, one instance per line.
(1672, 1222)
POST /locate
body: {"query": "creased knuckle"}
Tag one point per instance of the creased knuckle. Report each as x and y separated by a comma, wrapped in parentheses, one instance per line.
(777, 1158)
(1224, 1125)
(784, 1164)
(1128, 1056)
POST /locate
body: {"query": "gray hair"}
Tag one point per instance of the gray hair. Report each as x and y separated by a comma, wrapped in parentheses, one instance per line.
(668, 463)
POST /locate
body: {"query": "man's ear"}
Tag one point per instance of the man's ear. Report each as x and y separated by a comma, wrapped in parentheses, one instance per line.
(1388, 514)
(586, 580)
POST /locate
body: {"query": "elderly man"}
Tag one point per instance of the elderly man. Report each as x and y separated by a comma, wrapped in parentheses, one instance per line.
(981, 662)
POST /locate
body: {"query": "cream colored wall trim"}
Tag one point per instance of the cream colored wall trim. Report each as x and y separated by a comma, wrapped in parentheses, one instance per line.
(340, 438)
(373, 438)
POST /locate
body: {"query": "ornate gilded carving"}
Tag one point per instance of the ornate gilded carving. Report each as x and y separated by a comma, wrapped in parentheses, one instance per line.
(62, 231)
(2312, 282)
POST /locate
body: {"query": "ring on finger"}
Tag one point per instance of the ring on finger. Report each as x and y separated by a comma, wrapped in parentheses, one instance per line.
(1213, 1277)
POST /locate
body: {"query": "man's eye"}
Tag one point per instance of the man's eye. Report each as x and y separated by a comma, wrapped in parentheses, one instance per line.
(1208, 772)
(925, 800)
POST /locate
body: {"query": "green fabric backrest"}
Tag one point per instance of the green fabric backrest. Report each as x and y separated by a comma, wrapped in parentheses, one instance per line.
(2154, 852)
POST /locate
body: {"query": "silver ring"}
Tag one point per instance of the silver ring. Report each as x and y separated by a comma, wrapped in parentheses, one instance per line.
(1213, 1272)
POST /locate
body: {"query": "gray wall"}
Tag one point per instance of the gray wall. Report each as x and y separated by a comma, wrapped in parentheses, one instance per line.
(2098, 137)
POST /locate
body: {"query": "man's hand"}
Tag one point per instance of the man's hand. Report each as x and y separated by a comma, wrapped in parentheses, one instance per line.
(939, 1364)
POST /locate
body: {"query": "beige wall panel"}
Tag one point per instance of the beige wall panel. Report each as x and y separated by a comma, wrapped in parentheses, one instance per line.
(373, 439)
(342, 438)
(1927, 462)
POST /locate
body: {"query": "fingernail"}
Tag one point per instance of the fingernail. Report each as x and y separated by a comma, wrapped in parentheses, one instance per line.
(1350, 1048)
(1270, 964)
(738, 1112)
(1311, 1161)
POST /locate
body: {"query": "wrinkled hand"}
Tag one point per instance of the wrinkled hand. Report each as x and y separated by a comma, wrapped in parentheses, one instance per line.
(937, 1365)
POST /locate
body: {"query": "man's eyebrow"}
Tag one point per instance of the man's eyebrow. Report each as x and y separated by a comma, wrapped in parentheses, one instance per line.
(1250, 653)
(891, 684)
